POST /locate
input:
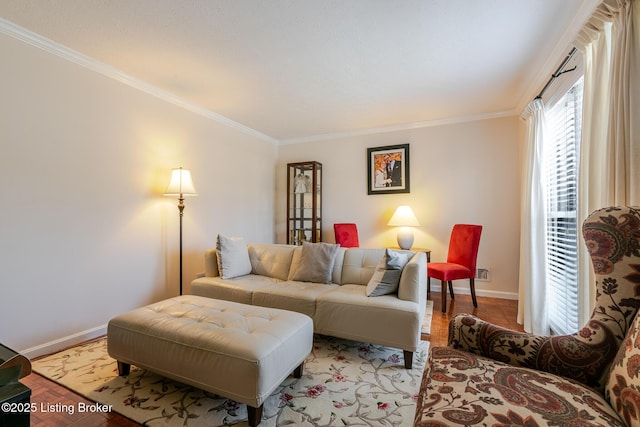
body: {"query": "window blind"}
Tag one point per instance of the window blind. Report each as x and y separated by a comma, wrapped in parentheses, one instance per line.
(561, 164)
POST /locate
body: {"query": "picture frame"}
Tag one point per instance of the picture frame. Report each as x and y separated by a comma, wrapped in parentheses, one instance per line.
(383, 178)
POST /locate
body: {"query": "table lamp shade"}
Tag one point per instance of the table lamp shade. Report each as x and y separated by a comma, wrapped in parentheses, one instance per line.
(403, 217)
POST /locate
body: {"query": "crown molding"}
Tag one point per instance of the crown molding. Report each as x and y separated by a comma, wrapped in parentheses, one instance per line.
(399, 127)
(54, 48)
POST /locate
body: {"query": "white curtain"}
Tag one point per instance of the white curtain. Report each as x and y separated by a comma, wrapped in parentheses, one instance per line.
(532, 312)
(623, 137)
(610, 146)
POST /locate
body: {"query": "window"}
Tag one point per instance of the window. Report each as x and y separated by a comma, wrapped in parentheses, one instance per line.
(562, 148)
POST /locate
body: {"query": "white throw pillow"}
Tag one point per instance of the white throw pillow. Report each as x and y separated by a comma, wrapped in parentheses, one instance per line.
(233, 257)
(316, 263)
(386, 278)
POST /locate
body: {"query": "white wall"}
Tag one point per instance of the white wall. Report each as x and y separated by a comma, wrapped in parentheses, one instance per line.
(85, 231)
(460, 173)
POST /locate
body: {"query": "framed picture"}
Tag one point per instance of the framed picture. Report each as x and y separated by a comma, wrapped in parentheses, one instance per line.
(388, 169)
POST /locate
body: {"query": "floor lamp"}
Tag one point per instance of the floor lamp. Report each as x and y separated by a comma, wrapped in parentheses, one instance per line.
(180, 185)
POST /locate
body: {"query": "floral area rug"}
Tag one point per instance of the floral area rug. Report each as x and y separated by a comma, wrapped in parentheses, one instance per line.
(344, 383)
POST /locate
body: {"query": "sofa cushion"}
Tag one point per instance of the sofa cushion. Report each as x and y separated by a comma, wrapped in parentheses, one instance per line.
(337, 266)
(347, 312)
(315, 264)
(239, 289)
(359, 264)
(461, 388)
(271, 260)
(293, 296)
(233, 257)
(623, 385)
(386, 278)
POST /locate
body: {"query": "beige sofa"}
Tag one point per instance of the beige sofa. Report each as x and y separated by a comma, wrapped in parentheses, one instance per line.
(340, 308)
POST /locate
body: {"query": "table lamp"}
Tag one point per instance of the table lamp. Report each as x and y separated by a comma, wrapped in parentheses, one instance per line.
(404, 218)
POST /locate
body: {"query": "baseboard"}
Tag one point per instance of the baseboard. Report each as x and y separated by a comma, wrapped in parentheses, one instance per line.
(64, 342)
(479, 292)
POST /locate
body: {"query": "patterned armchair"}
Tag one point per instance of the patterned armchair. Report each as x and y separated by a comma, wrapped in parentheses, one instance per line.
(493, 376)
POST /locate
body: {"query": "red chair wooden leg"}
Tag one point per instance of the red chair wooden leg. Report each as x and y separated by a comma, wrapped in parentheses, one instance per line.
(472, 283)
(451, 289)
(428, 287)
(443, 292)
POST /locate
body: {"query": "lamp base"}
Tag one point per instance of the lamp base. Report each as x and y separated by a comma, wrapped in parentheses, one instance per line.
(405, 238)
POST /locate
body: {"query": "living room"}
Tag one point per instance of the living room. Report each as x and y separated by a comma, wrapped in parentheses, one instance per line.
(90, 150)
(89, 234)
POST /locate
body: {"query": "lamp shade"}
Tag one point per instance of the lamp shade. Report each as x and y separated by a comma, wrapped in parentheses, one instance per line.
(181, 183)
(403, 217)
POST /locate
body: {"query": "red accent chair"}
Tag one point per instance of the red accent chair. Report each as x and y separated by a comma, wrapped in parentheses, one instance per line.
(461, 261)
(346, 235)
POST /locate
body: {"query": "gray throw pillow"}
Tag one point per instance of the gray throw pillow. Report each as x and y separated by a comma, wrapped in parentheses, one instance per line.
(316, 262)
(233, 257)
(386, 278)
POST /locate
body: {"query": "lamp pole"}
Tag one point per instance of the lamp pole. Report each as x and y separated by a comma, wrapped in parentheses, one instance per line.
(180, 185)
(181, 210)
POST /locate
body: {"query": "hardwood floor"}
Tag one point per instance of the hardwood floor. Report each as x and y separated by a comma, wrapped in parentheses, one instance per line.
(45, 392)
(498, 311)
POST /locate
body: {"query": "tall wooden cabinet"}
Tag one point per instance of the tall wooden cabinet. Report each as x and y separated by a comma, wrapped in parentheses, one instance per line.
(304, 202)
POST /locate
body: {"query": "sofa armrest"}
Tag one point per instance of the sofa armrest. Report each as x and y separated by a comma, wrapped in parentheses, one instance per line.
(413, 281)
(583, 356)
(211, 263)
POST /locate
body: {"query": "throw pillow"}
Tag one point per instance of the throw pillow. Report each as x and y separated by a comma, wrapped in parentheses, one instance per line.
(233, 257)
(316, 262)
(386, 278)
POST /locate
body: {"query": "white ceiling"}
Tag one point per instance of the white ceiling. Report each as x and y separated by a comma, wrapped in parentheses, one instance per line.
(296, 70)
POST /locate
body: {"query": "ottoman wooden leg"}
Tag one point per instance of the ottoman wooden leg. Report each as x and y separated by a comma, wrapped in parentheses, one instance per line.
(408, 359)
(254, 415)
(123, 369)
(297, 373)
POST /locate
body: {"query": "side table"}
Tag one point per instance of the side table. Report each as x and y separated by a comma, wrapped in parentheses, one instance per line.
(425, 250)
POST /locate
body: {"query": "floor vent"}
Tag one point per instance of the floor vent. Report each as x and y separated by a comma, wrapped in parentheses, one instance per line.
(483, 275)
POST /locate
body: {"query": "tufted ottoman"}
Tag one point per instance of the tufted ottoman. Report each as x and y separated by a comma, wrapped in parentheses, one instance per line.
(237, 351)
